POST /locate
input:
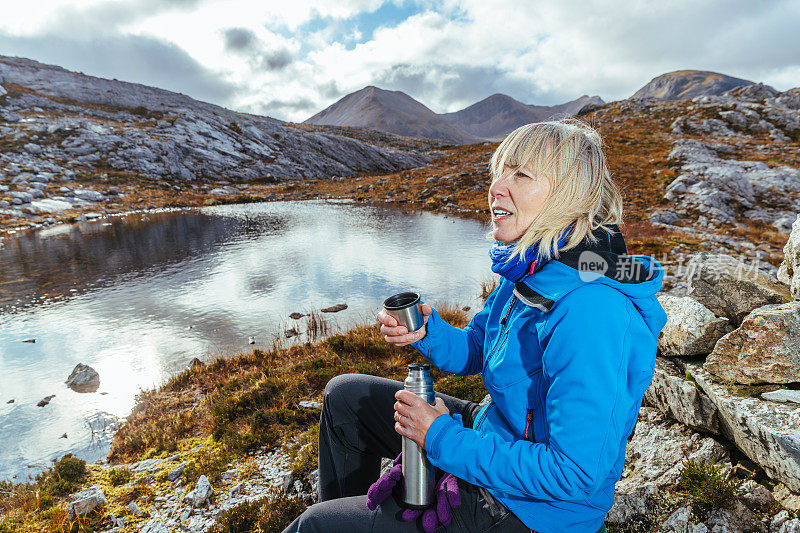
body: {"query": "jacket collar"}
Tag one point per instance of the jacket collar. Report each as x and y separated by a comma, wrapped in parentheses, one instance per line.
(605, 261)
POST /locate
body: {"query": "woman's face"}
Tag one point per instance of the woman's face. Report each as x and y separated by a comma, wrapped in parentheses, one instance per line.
(515, 199)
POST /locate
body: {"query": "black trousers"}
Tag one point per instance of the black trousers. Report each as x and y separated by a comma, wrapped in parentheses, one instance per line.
(356, 430)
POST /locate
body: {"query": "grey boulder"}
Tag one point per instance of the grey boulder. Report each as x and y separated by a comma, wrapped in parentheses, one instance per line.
(85, 501)
(83, 378)
(764, 349)
(731, 288)
(691, 328)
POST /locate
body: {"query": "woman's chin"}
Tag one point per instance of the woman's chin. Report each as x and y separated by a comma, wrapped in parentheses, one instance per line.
(500, 237)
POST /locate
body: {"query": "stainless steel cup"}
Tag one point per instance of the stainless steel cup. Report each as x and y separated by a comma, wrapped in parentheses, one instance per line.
(405, 308)
(418, 473)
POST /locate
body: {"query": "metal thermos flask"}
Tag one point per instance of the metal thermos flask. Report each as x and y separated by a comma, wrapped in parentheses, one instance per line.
(418, 473)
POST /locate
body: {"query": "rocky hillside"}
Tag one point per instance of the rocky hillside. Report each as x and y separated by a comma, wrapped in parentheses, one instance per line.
(737, 159)
(686, 84)
(728, 372)
(396, 112)
(60, 130)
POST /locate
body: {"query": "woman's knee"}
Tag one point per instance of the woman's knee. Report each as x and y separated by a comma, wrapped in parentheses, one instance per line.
(346, 388)
(341, 514)
(314, 518)
(339, 388)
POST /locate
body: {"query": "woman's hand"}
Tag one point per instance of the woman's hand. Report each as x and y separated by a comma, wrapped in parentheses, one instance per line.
(399, 335)
(414, 415)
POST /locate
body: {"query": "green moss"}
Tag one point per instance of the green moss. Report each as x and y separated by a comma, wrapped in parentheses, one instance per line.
(305, 453)
(465, 387)
(690, 378)
(65, 477)
(707, 485)
(8, 525)
(119, 476)
(211, 460)
(269, 514)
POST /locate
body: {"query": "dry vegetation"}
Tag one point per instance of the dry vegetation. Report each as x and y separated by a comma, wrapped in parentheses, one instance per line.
(232, 406)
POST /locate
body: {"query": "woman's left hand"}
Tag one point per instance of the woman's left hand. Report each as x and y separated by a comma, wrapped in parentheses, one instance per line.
(413, 415)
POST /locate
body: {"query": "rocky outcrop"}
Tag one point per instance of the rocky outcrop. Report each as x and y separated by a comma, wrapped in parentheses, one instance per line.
(85, 501)
(83, 378)
(201, 493)
(764, 349)
(789, 271)
(75, 123)
(767, 432)
(731, 288)
(714, 189)
(654, 458)
(672, 393)
(691, 328)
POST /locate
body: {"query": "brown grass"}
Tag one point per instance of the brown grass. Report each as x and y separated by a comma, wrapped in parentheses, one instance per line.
(251, 400)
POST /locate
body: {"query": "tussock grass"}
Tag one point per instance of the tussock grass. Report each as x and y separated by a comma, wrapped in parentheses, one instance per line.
(230, 406)
(251, 400)
(488, 285)
(267, 515)
(708, 485)
(42, 504)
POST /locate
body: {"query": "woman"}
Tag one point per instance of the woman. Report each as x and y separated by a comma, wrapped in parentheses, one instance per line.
(566, 347)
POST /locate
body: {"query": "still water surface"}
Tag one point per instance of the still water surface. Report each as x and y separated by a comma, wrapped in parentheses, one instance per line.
(138, 297)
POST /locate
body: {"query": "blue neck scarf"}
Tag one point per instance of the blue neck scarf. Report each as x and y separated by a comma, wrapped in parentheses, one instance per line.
(518, 268)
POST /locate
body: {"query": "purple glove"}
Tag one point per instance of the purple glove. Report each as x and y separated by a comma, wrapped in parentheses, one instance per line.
(382, 488)
(447, 499)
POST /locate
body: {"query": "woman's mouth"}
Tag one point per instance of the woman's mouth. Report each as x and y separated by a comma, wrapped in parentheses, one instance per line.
(500, 214)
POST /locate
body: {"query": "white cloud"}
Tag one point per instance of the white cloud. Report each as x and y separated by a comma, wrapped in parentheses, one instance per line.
(449, 54)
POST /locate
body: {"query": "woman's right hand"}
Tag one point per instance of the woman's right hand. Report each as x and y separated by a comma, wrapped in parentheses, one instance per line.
(399, 335)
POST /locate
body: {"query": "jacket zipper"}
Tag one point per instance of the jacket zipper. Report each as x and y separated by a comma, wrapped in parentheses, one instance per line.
(483, 415)
(502, 331)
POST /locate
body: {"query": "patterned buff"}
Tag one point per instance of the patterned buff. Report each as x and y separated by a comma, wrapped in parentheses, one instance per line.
(518, 268)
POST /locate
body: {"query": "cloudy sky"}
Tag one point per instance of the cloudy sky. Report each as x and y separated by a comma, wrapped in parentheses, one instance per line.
(290, 59)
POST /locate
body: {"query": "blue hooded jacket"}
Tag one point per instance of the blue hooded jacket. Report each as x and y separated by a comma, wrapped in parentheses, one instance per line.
(566, 355)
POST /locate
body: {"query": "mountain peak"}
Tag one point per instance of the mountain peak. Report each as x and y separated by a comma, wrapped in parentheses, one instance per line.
(687, 84)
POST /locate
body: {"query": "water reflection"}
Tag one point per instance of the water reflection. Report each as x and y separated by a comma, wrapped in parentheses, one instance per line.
(140, 298)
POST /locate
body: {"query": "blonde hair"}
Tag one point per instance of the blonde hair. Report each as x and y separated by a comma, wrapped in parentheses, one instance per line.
(569, 152)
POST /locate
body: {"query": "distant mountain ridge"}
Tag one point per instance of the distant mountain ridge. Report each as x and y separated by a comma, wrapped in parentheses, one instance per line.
(496, 116)
(686, 84)
(394, 111)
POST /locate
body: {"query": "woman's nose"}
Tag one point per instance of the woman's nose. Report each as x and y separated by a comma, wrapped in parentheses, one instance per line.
(499, 187)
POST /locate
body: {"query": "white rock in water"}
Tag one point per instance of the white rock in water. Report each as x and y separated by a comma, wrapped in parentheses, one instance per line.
(85, 501)
(3, 92)
(83, 379)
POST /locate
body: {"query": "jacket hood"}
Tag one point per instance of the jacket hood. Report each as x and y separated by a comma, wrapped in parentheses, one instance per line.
(606, 262)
